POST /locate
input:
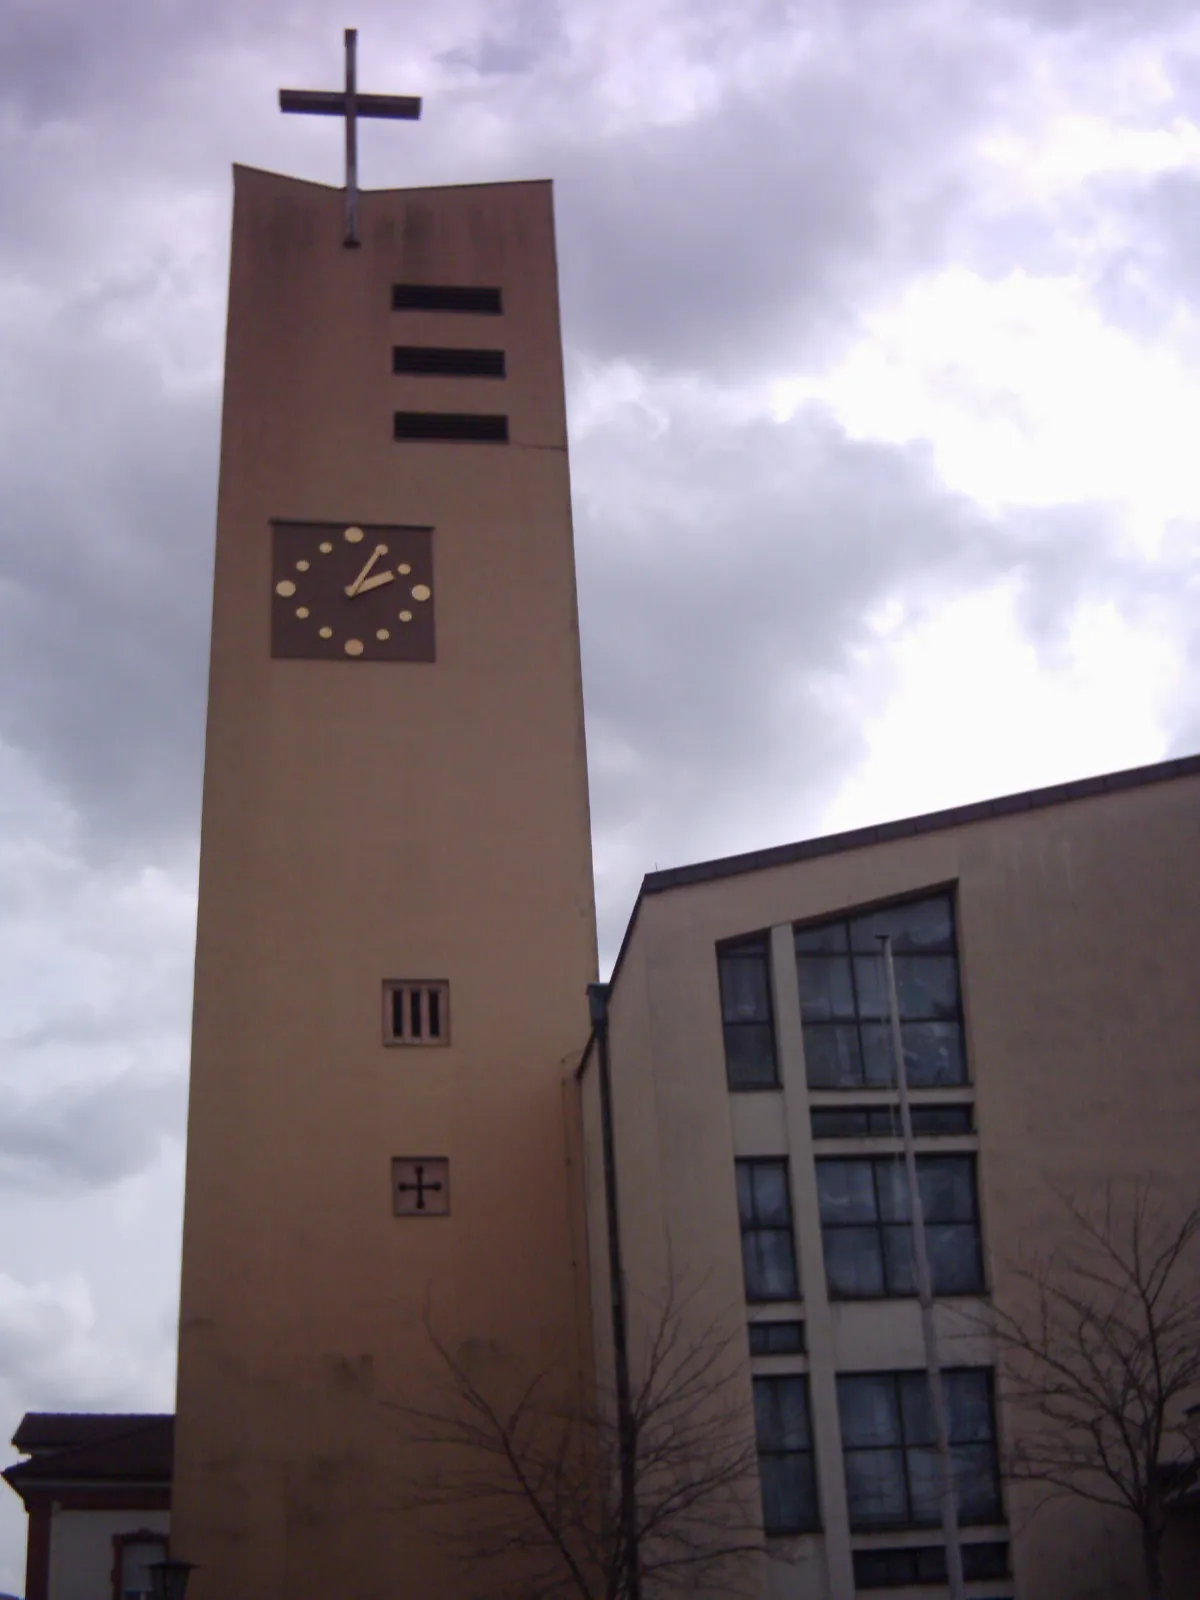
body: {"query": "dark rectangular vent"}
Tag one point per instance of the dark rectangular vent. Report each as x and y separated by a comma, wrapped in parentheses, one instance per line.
(451, 425)
(446, 297)
(448, 363)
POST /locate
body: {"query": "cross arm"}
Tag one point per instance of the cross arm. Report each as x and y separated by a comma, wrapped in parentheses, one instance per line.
(332, 103)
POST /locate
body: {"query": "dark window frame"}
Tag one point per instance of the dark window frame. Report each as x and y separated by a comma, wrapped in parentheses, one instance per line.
(902, 1566)
(883, 1122)
(760, 1337)
(912, 1377)
(809, 1519)
(883, 1228)
(750, 1227)
(742, 950)
(845, 925)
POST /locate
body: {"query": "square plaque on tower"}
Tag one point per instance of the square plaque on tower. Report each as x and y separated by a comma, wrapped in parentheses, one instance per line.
(351, 592)
(420, 1186)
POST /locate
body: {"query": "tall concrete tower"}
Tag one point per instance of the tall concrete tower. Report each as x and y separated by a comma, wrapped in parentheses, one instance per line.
(396, 921)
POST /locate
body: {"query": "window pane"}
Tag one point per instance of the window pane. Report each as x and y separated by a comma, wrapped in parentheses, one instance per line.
(924, 1485)
(913, 925)
(926, 987)
(933, 1054)
(846, 1191)
(750, 1055)
(891, 1178)
(879, 1069)
(947, 1185)
(770, 1265)
(875, 1489)
(776, 1338)
(853, 1263)
(881, 1569)
(745, 992)
(969, 1405)
(928, 1120)
(976, 1483)
(867, 1408)
(832, 1124)
(955, 1259)
(831, 1056)
(987, 1560)
(915, 1406)
(825, 991)
(769, 1188)
(829, 937)
(789, 1493)
(899, 1265)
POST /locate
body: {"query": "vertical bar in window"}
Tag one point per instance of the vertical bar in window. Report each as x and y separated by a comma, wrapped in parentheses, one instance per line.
(415, 1011)
(435, 1014)
(397, 1013)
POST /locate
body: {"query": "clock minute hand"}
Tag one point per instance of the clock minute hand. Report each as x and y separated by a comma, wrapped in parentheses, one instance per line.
(353, 588)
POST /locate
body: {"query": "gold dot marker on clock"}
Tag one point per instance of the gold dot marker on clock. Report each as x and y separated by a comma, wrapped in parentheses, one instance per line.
(406, 616)
(325, 547)
(353, 647)
(302, 566)
(421, 591)
(382, 633)
(353, 535)
(286, 588)
(301, 611)
(404, 569)
(326, 633)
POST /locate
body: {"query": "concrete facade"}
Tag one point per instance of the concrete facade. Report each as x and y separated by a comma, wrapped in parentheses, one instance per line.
(1077, 924)
(366, 821)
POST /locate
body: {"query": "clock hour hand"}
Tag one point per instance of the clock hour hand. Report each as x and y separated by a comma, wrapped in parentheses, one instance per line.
(353, 588)
(373, 583)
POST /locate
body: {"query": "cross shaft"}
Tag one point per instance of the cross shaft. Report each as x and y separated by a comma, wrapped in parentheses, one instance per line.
(350, 104)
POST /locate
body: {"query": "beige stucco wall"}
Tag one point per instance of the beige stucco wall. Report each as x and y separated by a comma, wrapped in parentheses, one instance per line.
(81, 1549)
(365, 821)
(1078, 925)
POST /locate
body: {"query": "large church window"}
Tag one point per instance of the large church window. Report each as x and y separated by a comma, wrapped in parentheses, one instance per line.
(844, 1001)
(867, 1228)
(768, 1245)
(746, 1015)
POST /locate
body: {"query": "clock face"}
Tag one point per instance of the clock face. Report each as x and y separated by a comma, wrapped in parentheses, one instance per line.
(343, 591)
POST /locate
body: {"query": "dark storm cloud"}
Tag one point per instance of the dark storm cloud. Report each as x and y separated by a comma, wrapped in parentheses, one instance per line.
(729, 581)
(86, 1136)
(109, 489)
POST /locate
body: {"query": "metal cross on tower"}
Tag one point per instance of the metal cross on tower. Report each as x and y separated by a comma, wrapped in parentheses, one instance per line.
(350, 104)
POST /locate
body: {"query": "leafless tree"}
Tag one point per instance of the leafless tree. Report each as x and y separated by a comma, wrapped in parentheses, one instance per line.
(531, 1482)
(1102, 1358)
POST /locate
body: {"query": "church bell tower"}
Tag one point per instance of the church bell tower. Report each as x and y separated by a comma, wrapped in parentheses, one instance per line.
(396, 922)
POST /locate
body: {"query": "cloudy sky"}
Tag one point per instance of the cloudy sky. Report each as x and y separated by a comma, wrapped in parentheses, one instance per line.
(884, 373)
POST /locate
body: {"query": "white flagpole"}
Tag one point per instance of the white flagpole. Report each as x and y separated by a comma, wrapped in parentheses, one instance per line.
(937, 1398)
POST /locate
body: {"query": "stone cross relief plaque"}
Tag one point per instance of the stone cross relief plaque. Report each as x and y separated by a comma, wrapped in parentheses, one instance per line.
(420, 1186)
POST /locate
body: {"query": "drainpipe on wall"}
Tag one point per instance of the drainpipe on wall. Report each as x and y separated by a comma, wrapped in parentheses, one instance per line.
(626, 1433)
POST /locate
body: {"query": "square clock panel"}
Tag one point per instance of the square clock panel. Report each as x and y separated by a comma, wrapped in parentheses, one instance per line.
(343, 591)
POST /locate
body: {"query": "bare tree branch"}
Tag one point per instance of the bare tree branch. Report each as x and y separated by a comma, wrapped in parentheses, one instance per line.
(539, 1472)
(1102, 1359)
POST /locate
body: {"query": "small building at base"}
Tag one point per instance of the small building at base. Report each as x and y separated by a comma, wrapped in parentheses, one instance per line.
(98, 1492)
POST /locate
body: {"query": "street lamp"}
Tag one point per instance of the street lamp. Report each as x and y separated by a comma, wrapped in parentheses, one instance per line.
(169, 1579)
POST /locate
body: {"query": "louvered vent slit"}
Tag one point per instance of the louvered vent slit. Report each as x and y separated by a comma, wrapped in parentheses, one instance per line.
(453, 425)
(446, 297)
(432, 361)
